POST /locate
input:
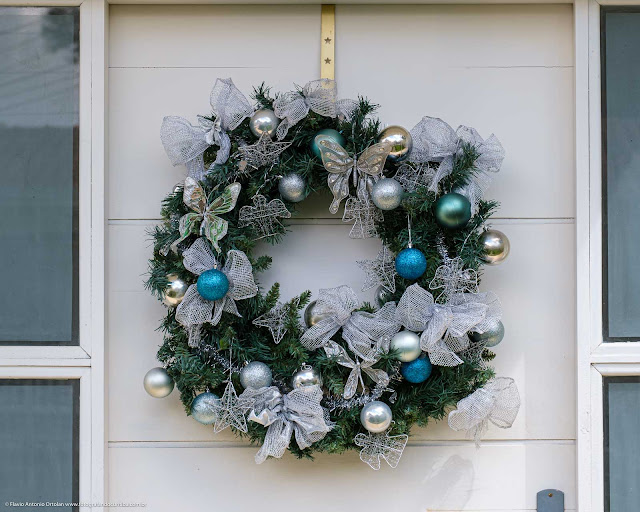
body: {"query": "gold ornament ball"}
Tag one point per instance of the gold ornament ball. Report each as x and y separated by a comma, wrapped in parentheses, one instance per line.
(158, 383)
(312, 315)
(175, 291)
(264, 121)
(495, 246)
(307, 376)
(400, 140)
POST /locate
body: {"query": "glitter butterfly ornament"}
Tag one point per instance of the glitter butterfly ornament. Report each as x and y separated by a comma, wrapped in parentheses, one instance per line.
(366, 169)
(204, 219)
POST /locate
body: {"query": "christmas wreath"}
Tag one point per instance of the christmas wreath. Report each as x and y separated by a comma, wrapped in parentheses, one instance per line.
(351, 376)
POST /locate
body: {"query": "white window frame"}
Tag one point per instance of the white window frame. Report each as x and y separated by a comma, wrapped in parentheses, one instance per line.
(86, 361)
(595, 358)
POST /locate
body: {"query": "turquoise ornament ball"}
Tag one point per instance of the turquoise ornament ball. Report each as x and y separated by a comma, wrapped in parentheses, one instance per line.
(327, 133)
(204, 408)
(453, 211)
(416, 371)
(411, 263)
(212, 285)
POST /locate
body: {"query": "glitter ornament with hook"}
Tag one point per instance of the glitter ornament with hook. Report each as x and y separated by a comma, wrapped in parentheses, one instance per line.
(410, 263)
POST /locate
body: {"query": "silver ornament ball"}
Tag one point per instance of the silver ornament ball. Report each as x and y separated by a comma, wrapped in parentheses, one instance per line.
(376, 416)
(256, 375)
(490, 337)
(263, 121)
(175, 290)
(204, 408)
(387, 194)
(382, 296)
(292, 187)
(307, 376)
(405, 346)
(313, 314)
(158, 383)
(495, 246)
(400, 140)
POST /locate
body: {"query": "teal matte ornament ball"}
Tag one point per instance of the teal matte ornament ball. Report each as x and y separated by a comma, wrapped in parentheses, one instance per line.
(416, 371)
(212, 284)
(411, 263)
(204, 408)
(328, 134)
(453, 211)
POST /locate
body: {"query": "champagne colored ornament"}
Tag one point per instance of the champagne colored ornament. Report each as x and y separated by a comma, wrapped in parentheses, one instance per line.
(453, 211)
(175, 290)
(264, 121)
(292, 188)
(416, 371)
(256, 375)
(491, 337)
(387, 194)
(376, 416)
(406, 346)
(212, 285)
(204, 408)
(306, 376)
(495, 246)
(158, 383)
(327, 134)
(312, 316)
(400, 140)
(382, 296)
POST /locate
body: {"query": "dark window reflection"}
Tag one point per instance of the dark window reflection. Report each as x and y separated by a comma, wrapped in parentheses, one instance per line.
(39, 170)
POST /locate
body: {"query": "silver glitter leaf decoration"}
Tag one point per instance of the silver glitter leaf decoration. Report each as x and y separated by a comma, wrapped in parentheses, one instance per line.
(365, 214)
(263, 216)
(381, 446)
(381, 271)
(232, 410)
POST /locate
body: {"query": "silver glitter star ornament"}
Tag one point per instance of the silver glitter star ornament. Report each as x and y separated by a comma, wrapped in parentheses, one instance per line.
(263, 216)
(381, 446)
(453, 278)
(274, 320)
(381, 271)
(263, 153)
(232, 410)
(414, 176)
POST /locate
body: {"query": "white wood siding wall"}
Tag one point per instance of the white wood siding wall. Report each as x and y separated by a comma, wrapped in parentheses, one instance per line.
(506, 69)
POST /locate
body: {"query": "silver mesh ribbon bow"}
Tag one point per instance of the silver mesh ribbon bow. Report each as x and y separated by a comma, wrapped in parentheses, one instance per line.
(367, 334)
(337, 304)
(320, 96)
(498, 402)
(194, 310)
(185, 143)
(297, 413)
(445, 326)
(341, 357)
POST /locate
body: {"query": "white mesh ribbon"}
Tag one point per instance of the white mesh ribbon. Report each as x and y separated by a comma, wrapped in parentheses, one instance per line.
(185, 143)
(194, 310)
(320, 96)
(337, 304)
(367, 334)
(297, 413)
(498, 402)
(445, 326)
(339, 354)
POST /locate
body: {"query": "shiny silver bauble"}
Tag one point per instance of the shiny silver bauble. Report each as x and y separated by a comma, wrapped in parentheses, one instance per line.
(382, 296)
(256, 375)
(495, 246)
(158, 383)
(313, 315)
(292, 187)
(376, 416)
(263, 121)
(387, 194)
(405, 346)
(490, 337)
(175, 290)
(400, 140)
(307, 376)
(204, 408)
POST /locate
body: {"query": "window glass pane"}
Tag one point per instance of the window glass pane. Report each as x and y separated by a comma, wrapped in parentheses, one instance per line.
(39, 155)
(622, 443)
(39, 444)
